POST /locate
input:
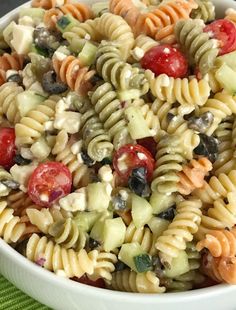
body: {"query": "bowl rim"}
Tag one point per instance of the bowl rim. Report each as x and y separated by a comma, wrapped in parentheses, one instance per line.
(105, 294)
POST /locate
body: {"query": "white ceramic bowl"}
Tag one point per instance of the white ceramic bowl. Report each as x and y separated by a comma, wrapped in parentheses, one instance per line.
(63, 294)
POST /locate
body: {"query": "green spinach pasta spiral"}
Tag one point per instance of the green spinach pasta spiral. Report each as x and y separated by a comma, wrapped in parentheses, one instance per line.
(109, 109)
(200, 48)
(205, 11)
(120, 74)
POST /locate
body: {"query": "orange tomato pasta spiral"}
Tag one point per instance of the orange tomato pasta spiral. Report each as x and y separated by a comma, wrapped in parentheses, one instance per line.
(12, 61)
(46, 4)
(160, 23)
(192, 175)
(51, 17)
(219, 269)
(79, 11)
(71, 72)
(127, 10)
(220, 243)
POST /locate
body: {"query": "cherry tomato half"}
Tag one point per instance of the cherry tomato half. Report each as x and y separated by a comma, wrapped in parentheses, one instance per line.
(85, 280)
(165, 59)
(224, 31)
(49, 182)
(129, 157)
(7, 147)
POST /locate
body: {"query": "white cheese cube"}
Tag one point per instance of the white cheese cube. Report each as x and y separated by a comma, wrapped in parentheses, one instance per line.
(69, 121)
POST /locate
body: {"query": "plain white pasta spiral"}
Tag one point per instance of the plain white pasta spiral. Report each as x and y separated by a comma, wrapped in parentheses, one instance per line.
(56, 258)
(11, 230)
(184, 225)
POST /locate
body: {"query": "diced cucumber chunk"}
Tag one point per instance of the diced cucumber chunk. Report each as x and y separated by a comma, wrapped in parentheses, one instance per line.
(158, 225)
(99, 7)
(138, 127)
(125, 95)
(127, 253)
(77, 44)
(66, 22)
(97, 230)
(228, 59)
(28, 101)
(227, 78)
(32, 12)
(86, 220)
(113, 234)
(143, 262)
(88, 54)
(98, 196)
(179, 265)
(161, 202)
(141, 211)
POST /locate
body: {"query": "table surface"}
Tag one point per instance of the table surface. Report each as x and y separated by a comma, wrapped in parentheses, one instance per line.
(8, 5)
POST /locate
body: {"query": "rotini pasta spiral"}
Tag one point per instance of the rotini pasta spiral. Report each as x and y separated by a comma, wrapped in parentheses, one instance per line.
(57, 258)
(143, 236)
(71, 72)
(192, 176)
(217, 187)
(46, 4)
(44, 218)
(8, 106)
(12, 61)
(31, 126)
(115, 28)
(160, 22)
(79, 11)
(220, 269)
(63, 152)
(221, 106)
(120, 74)
(11, 229)
(170, 158)
(104, 266)
(205, 11)
(220, 243)
(96, 139)
(67, 233)
(129, 281)
(111, 113)
(202, 50)
(221, 215)
(188, 93)
(19, 202)
(87, 29)
(225, 161)
(184, 225)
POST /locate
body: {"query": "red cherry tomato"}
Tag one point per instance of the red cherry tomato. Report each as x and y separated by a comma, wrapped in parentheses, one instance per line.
(224, 31)
(85, 280)
(129, 157)
(49, 182)
(7, 147)
(165, 59)
(149, 144)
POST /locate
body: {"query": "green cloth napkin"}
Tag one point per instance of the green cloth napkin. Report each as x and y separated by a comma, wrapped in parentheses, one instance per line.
(13, 299)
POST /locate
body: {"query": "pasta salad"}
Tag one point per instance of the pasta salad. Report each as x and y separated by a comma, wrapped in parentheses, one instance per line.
(118, 136)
